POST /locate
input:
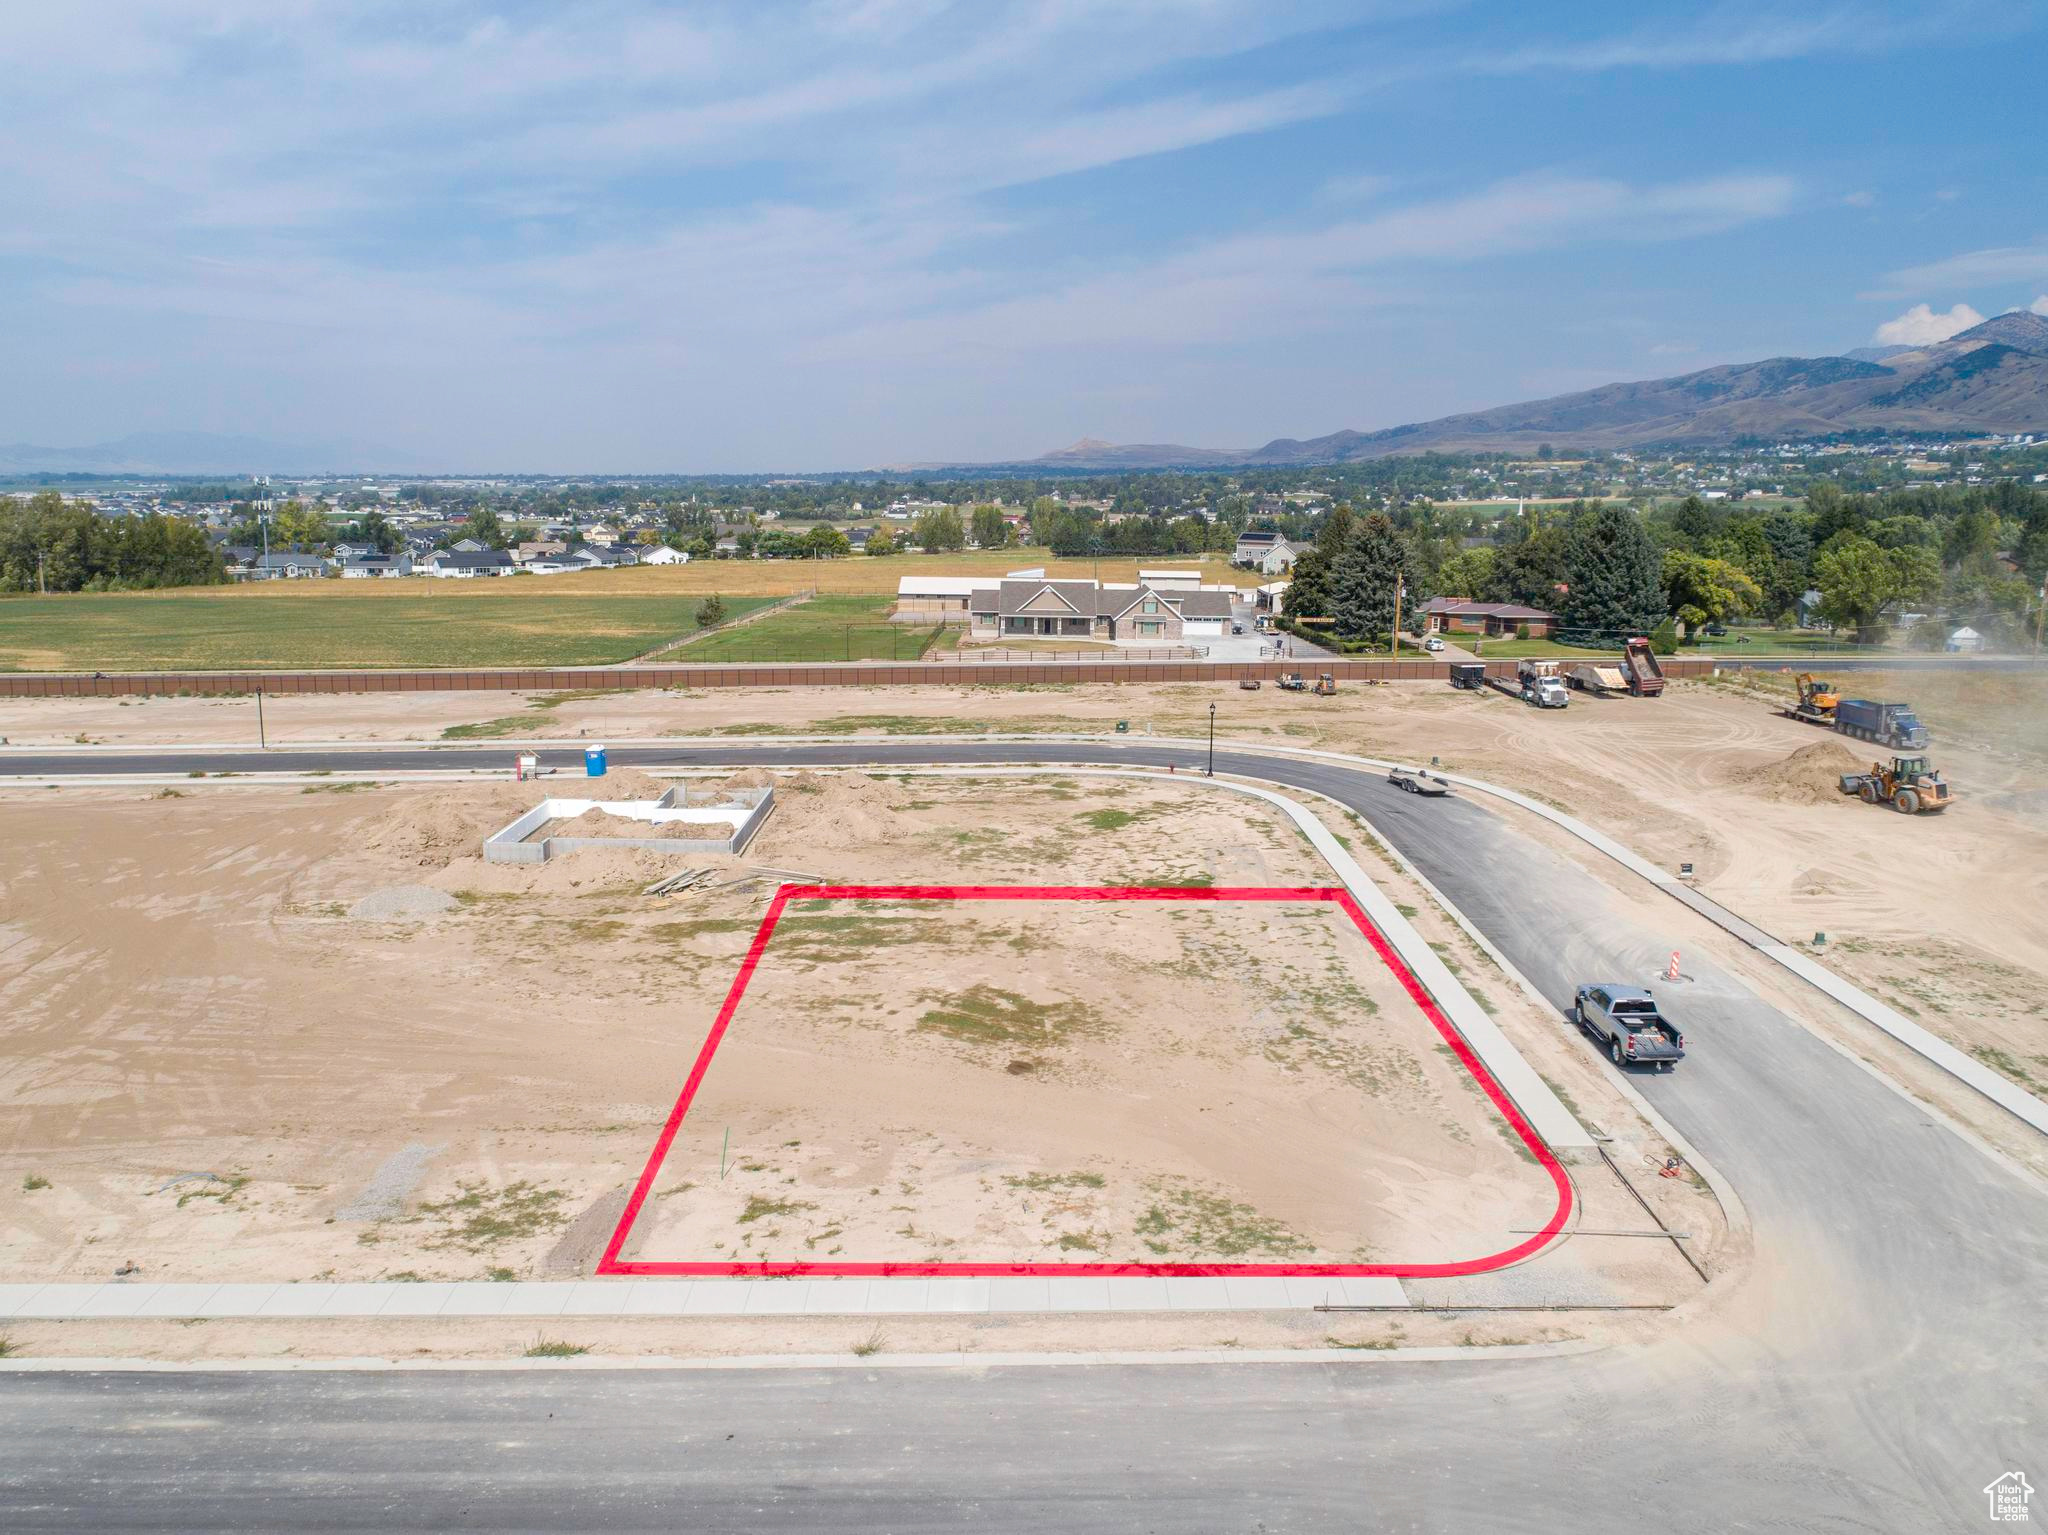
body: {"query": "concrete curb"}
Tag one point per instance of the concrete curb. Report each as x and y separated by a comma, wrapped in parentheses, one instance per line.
(949, 1360)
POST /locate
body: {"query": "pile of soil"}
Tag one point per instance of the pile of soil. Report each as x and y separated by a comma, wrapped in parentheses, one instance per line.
(840, 812)
(431, 831)
(617, 784)
(1809, 776)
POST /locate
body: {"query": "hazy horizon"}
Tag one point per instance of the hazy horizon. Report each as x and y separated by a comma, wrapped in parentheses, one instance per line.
(849, 234)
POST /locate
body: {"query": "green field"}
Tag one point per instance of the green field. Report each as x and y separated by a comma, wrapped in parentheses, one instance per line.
(826, 628)
(423, 624)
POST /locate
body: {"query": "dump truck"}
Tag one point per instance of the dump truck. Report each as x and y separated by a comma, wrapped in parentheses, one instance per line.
(1597, 677)
(1625, 1019)
(1817, 701)
(1893, 725)
(1541, 685)
(1910, 785)
(1639, 668)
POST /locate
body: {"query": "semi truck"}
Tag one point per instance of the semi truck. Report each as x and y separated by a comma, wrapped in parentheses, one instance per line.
(1541, 685)
(1893, 725)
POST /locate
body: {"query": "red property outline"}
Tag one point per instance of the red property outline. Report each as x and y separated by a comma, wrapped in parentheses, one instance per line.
(611, 1263)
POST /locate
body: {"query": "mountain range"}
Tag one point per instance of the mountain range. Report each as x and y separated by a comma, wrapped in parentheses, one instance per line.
(202, 453)
(1992, 377)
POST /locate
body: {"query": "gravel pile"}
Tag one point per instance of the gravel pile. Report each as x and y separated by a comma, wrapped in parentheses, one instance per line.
(400, 902)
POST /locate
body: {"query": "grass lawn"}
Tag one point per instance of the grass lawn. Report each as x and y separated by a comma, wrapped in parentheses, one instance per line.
(1782, 642)
(520, 621)
(826, 628)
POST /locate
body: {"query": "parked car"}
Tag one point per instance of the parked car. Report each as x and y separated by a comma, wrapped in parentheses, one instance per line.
(1625, 1019)
(1433, 643)
(1237, 627)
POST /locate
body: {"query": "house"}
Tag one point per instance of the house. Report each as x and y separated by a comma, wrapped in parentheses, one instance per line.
(857, 538)
(1965, 639)
(1171, 580)
(1253, 547)
(604, 535)
(292, 565)
(467, 546)
(1267, 553)
(240, 554)
(534, 548)
(555, 564)
(1460, 615)
(606, 559)
(1039, 608)
(465, 564)
(347, 552)
(661, 554)
(375, 566)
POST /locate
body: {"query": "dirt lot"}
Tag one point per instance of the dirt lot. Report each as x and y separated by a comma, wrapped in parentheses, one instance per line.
(1184, 1082)
(283, 1033)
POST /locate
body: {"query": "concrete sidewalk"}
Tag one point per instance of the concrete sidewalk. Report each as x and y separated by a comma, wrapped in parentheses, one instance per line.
(684, 1297)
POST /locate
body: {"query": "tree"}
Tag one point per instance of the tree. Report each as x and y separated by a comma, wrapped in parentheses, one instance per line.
(825, 542)
(1859, 582)
(484, 527)
(991, 528)
(1308, 590)
(711, 612)
(1363, 579)
(298, 525)
(1469, 573)
(1530, 571)
(939, 531)
(1699, 589)
(1612, 574)
(881, 542)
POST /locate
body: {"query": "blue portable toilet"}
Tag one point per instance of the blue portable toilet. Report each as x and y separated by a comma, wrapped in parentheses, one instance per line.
(593, 761)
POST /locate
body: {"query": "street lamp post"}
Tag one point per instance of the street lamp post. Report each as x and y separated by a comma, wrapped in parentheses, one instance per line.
(1212, 740)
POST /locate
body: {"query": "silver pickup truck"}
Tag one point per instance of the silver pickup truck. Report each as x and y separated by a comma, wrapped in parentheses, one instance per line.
(1625, 1019)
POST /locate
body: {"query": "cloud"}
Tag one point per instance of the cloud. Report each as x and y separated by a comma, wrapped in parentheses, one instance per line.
(1999, 265)
(1921, 326)
(2040, 305)
(1861, 199)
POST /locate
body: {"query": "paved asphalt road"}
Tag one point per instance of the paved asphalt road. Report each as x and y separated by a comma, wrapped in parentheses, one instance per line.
(1880, 1363)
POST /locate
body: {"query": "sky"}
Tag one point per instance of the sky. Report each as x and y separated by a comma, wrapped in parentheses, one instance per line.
(637, 237)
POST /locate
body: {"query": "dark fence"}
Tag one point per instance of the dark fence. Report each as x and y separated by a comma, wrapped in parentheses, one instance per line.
(943, 671)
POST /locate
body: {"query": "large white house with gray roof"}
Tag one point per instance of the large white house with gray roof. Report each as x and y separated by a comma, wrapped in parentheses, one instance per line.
(1043, 609)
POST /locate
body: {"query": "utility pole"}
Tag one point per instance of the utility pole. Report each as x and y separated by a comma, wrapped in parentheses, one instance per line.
(1212, 740)
(262, 739)
(1400, 584)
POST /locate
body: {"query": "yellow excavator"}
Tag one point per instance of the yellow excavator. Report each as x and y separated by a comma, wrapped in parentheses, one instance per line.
(1817, 701)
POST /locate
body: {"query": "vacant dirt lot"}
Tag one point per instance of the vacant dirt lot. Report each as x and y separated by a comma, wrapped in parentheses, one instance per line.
(1045, 1082)
(283, 1033)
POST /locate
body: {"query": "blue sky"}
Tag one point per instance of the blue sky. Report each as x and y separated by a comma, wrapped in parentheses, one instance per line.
(626, 236)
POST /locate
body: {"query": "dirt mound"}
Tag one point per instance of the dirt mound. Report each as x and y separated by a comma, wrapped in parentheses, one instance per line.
(1809, 776)
(431, 831)
(618, 784)
(752, 778)
(841, 811)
